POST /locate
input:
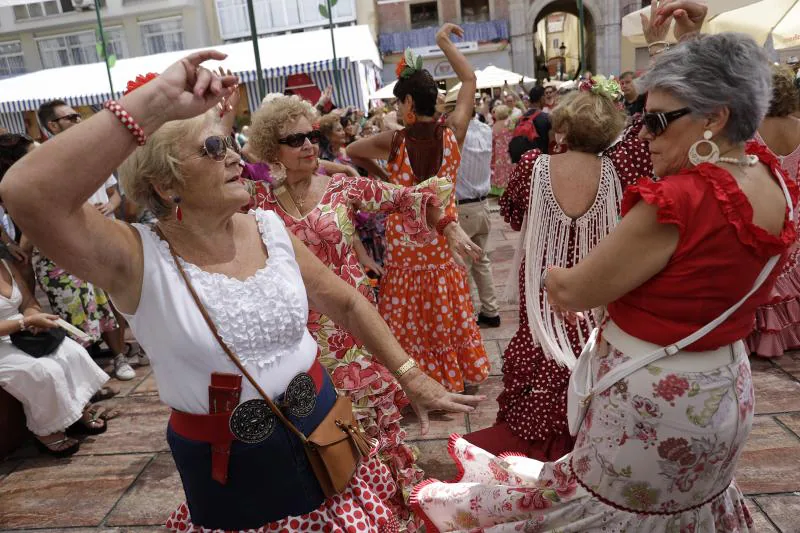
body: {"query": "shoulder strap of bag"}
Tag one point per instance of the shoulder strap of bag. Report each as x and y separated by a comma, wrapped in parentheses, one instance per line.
(224, 346)
(637, 363)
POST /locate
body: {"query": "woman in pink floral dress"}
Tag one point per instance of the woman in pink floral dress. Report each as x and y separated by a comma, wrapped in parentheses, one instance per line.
(324, 219)
(501, 159)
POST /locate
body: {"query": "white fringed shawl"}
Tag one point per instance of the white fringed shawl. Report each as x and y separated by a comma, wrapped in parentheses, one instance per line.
(545, 242)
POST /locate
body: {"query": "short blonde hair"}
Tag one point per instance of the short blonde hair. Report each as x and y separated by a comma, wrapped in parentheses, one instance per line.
(785, 94)
(158, 163)
(590, 122)
(501, 112)
(270, 121)
(328, 123)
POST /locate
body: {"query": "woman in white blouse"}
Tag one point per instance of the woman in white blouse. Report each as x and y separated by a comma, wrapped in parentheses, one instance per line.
(255, 279)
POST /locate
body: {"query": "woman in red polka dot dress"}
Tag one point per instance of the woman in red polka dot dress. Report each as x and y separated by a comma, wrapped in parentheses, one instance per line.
(532, 419)
(424, 293)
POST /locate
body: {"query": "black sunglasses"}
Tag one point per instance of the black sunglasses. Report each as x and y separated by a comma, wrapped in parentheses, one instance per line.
(657, 123)
(72, 117)
(216, 147)
(299, 139)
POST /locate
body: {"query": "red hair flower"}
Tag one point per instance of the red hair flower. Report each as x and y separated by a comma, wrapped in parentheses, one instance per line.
(401, 66)
(139, 81)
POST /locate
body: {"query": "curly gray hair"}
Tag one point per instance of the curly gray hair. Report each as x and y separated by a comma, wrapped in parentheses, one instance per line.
(724, 70)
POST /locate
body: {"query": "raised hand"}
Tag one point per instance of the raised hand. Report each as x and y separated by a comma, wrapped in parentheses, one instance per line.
(449, 28)
(688, 15)
(187, 89)
(654, 27)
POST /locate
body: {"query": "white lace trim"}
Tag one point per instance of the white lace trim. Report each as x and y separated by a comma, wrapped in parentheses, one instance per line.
(261, 319)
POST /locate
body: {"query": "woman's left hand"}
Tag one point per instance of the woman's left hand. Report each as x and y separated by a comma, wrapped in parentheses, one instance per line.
(187, 89)
(460, 242)
(427, 394)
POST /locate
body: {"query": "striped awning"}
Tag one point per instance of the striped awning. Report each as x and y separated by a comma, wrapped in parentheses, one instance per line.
(246, 76)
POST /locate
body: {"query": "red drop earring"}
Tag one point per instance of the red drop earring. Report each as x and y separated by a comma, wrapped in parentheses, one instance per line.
(178, 211)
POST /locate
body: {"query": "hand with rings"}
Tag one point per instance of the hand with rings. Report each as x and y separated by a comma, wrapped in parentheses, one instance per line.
(460, 243)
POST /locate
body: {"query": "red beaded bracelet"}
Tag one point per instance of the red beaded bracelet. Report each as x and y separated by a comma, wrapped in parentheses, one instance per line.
(443, 223)
(127, 121)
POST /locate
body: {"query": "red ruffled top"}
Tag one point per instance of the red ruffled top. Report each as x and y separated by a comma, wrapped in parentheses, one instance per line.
(719, 255)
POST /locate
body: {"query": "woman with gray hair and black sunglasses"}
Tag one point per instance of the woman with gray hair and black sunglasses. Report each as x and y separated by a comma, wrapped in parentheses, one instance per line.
(661, 400)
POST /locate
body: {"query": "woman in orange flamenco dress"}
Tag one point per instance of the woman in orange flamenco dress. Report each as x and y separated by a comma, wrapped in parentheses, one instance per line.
(424, 292)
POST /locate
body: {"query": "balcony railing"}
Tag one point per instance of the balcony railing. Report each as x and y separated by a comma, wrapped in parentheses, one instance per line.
(274, 16)
(482, 32)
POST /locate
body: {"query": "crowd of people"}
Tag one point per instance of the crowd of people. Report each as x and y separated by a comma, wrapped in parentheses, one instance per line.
(324, 264)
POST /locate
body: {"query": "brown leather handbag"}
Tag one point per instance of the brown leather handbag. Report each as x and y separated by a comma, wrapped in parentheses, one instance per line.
(335, 447)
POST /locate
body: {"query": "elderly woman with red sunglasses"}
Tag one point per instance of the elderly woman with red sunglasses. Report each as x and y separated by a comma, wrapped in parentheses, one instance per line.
(255, 281)
(681, 276)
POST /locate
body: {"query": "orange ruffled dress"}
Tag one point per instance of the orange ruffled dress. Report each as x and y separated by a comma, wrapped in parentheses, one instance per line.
(425, 295)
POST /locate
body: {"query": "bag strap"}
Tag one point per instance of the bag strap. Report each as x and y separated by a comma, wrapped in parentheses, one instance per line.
(224, 346)
(632, 366)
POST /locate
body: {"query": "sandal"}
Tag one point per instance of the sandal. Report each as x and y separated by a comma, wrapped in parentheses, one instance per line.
(57, 452)
(86, 424)
(105, 393)
(108, 413)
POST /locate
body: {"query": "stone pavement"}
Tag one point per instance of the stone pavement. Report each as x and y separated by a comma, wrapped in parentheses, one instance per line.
(125, 480)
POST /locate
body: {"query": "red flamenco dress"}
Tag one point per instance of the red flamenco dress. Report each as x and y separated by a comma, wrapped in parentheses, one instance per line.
(532, 419)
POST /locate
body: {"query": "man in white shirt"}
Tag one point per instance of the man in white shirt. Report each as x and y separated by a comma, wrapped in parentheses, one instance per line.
(472, 189)
(56, 117)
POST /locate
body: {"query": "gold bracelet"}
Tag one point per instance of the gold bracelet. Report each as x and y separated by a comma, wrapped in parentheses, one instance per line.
(405, 367)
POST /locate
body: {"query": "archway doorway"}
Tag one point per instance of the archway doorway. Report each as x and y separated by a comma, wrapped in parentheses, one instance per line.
(556, 34)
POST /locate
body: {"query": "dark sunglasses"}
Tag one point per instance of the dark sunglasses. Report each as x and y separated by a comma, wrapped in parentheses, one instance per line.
(299, 139)
(72, 117)
(657, 123)
(216, 147)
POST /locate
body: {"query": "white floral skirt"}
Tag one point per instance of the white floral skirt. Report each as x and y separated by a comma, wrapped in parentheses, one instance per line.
(656, 453)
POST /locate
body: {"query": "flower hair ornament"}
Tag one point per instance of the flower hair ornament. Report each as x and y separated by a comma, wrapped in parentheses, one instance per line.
(139, 81)
(408, 65)
(602, 86)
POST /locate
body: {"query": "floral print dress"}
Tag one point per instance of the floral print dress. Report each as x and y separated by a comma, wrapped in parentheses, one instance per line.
(501, 160)
(79, 302)
(328, 231)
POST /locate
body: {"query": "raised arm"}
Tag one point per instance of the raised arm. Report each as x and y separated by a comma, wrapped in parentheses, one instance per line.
(332, 296)
(638, 249)
(46, 191)
(365, 151)
(459, 119)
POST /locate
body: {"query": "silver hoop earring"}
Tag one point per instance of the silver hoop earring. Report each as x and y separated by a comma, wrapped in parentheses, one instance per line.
(712, 157)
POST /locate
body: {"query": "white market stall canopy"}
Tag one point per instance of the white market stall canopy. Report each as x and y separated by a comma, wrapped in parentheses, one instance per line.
(492, 77)
(281, 56)
(632, 22)
(780, 18)
(387, 92)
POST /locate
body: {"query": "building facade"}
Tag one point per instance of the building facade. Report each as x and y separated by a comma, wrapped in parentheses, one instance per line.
(57, 33)
(504, 33)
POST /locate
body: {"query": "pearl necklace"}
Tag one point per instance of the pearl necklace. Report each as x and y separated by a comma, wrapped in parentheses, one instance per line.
(746, 161)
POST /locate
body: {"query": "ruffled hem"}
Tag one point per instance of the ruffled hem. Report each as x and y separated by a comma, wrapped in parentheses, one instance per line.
(501, 441)
(513, 493)
(430, 312)
(778, 322)
(377, 402)
(360, 507)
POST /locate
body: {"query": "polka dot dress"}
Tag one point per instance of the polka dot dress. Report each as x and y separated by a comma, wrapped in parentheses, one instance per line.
(534, 399)
(359, 508)
(425, 295)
